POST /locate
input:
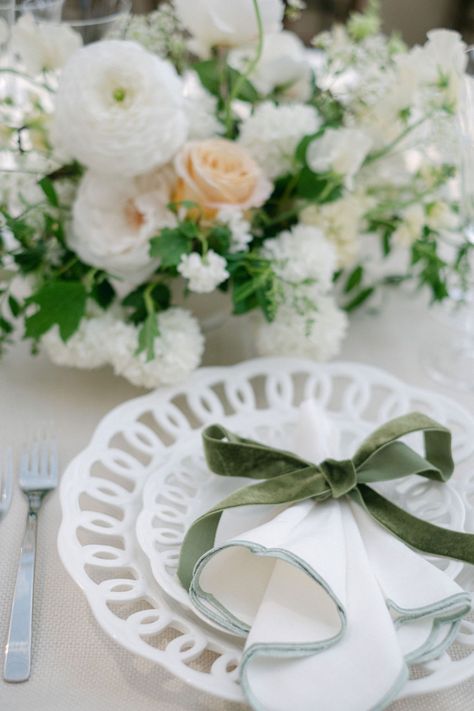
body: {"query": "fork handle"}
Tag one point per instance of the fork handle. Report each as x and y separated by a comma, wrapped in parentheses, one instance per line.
(18, 650)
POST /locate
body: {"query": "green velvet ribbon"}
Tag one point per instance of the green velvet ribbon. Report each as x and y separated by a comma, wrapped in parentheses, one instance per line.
(286, 478)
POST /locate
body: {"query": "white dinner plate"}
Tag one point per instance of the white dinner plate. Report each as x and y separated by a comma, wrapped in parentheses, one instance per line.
(129, 496)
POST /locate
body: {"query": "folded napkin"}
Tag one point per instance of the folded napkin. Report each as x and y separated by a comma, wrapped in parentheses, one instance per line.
(333, 607)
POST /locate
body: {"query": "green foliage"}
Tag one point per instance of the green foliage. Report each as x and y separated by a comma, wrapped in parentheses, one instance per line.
(47, 186)
(158, 295)
(360, 298)
(354, 279)
(147, 335)
(220, 79)
(432, 268)
(60, 303)
(319, 187)
(173, 242)
(253, 284)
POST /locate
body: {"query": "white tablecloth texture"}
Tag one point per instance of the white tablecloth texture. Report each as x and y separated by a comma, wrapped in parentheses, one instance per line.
(76, 667)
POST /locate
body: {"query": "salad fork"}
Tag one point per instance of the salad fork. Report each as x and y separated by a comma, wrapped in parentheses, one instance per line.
(6, 479)
(38, 475)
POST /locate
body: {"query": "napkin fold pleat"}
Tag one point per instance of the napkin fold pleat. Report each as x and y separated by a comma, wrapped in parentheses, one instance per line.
(333, 607)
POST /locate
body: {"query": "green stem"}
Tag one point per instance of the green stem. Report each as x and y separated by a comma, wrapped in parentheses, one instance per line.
(26, 77)
(251, 65)
(147, 298)
(376, 155)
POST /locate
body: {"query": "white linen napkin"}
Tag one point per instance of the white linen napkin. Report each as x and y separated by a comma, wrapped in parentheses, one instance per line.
(333, 607)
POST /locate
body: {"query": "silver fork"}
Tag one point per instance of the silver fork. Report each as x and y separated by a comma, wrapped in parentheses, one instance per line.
(6, 480)
(38, 475)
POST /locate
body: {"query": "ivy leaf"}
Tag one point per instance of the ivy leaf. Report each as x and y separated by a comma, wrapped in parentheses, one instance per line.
(170, 245)
(147, 335)
(354, 279)
(60, 303)
(46, 185)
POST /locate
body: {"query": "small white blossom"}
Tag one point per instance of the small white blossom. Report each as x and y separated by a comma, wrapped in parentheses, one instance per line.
(340, 222)
(410, 229)
(178, 350)
(272, 134)
(44, 45)
(241, 234)
(317, 335)
(201, 109)
(205, 272)
(87, 347)
(341, 151)
(300, 254)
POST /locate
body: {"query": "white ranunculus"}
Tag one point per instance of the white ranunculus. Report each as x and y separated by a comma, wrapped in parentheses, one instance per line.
(114, 219)
(119, 109)
(341, 150)
(228, 23)
(43, 45)
(283, 65)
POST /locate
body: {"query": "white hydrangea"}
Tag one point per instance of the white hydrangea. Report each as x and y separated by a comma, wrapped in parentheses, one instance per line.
(44, 45)
(272, 133)
(340, 222)
(300, 254)
(178, 350)
(317, 335)
(283, 65)
(119, 109)
(201, 109)
(239, 227)
(340, 150)
(204, 272)
(115, 218)
(87, 347)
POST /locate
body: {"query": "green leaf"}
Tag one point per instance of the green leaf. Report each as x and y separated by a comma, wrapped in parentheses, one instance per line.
(354, 279)
(302, 147)
(14, 305)
(46, 185)
(217, 78)
(135, 300)
(31, 258)
(219, 238)
(361, 297)
(103, 293)
(319, 187)
(60, 303)
(170, 245)
(147, 335)
(5, 326)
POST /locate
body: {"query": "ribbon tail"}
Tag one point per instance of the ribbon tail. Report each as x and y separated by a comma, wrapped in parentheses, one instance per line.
(419, 534)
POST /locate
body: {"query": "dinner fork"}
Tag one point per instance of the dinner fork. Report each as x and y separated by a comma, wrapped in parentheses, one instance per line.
(38, 475)
(6, 479)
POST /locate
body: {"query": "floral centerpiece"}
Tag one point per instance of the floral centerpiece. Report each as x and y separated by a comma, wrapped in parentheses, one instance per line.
(203, 148)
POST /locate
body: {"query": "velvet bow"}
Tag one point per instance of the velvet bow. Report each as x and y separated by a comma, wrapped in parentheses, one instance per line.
(286, 478)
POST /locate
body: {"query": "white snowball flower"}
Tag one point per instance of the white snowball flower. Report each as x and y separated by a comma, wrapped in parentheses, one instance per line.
(225, 23)
(317, 335)
(272, 133)
(178, 350)
(340, 221)
(201, 108)
(205, 272)
(43, 45)
(283, 65)
(119, 109)
(239, 227)
(341, 150)
(410, 229)
(114, 219)
(87, 347)
(300, 254)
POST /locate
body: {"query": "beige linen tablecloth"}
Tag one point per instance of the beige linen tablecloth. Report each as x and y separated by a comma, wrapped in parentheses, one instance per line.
(76, 667)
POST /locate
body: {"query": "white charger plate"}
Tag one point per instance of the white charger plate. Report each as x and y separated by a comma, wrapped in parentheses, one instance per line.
(134, 484)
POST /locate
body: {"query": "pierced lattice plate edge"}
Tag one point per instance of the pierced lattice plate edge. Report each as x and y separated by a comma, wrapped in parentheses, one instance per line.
(69, 545)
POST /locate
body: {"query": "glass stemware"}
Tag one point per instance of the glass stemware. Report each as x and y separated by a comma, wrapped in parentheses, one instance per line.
(450, 360)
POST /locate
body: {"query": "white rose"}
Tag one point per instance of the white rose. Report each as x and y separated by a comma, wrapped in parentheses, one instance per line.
(114, 219)
(43, 46)
(341, 151)
(283, 65)
(119, 108)
(227, 22)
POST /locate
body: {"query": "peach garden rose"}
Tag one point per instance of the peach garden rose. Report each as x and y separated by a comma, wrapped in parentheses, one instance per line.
(218, 174)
